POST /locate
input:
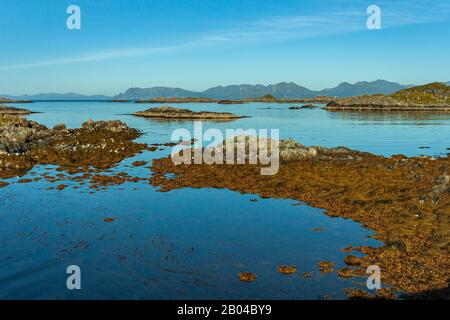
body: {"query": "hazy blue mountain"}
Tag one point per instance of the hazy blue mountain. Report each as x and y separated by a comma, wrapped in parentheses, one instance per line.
(448, 83)
(155, 92)
(346, 89)
(280, 90)
(58, 96)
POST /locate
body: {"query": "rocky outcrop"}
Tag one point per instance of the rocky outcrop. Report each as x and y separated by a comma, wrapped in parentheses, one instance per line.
(17, 135)
(13, 110)
(167, 112)
(266, 98)
(101, 144)
(306, 106)
(178, 100)
(230, 102)
(431, 97)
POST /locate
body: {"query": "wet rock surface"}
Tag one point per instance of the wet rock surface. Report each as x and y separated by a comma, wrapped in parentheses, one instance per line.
(430, 97)
(306, 106)
(97, 145)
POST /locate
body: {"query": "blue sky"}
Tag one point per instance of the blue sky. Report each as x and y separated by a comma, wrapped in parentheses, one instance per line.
(196, 44)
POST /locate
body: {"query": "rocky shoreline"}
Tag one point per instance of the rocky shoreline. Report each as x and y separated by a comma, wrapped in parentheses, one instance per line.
(101, 144)
(167, 112)
(430, 97)
(178, 100)
(404, 200)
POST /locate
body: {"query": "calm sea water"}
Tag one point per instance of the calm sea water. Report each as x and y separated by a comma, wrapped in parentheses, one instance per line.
(191, 243)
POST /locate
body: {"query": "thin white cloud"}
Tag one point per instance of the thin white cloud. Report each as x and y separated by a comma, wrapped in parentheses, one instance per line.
(276, 28)
(107, 55)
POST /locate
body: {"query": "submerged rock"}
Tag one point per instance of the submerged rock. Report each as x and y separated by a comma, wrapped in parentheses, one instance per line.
(326, 266)
(246, 277)
(287, 269)
(306, 106)
(59, 126)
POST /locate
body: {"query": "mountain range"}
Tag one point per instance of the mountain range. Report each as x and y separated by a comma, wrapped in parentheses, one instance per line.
(56, 96)
(283, 90)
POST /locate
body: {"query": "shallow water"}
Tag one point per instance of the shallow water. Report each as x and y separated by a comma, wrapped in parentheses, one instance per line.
(191, 243)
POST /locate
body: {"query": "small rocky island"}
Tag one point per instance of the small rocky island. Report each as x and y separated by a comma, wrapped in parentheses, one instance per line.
(230, 102)
(6, 100)
(430, 97)
(13, 110)
(167, 112)
(306, 106)
(178, 100)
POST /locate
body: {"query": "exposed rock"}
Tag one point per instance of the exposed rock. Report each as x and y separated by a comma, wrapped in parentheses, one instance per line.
(167, 112)
(246, 277)
(266, 98)
(59, 126)
(18, 134)
(25, 143)
(230, 102)
(306, 106)
(351, 260)
(13, 110)
(326, 266)
(112, 126)
(431, 97)
(345, 273)
(139, 163)
(287, 269)
(178, 100)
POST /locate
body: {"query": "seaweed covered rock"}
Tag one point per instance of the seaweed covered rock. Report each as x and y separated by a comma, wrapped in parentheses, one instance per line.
(17, 135)
(101, 144)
